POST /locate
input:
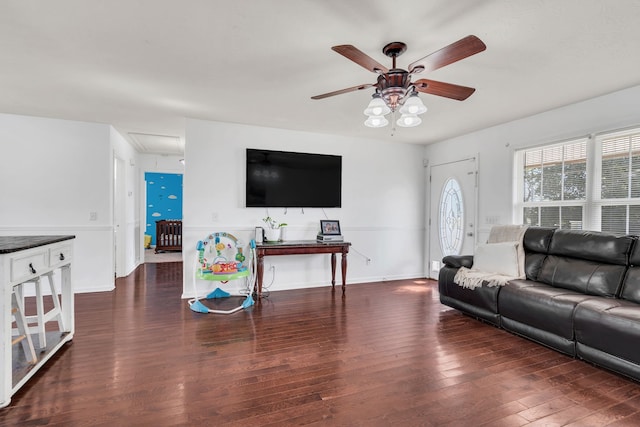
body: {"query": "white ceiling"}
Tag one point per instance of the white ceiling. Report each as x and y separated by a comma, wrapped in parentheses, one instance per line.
(146, 65)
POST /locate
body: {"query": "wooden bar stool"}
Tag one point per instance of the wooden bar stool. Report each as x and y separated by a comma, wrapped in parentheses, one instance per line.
(23, 333)
(37, 323)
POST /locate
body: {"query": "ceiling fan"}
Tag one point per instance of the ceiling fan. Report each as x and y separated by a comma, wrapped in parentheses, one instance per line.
(394, 87)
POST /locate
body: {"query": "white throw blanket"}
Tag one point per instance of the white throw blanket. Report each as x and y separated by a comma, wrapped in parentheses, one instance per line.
(473, 278)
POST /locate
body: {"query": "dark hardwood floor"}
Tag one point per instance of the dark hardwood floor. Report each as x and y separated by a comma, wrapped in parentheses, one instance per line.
(388, 354)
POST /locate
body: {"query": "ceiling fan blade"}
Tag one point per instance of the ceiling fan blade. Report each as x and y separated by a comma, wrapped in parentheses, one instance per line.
(360, 58)
(447, 90)
(461, 49)
(341, 91)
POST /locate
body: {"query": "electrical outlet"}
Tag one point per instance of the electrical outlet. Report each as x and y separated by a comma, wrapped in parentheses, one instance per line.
(215, 216)
(93, 216)
(368, 261)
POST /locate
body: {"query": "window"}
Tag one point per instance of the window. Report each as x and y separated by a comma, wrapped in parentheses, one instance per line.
(618, 195)
(555, 188)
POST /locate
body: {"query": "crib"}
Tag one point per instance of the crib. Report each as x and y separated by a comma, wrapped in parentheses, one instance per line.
(168, 235)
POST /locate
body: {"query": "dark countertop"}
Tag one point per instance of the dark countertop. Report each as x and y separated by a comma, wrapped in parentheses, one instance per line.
(10, 244)
(299, 243)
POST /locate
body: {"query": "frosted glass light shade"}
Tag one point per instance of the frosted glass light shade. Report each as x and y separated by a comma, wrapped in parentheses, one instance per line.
(377, 107)
(376, 122)
(413, 106)
(409, 120)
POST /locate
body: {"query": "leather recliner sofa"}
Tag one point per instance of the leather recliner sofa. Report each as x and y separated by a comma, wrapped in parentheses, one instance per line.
(581, 296)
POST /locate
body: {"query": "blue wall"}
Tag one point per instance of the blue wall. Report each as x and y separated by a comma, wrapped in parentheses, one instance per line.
(164, 199)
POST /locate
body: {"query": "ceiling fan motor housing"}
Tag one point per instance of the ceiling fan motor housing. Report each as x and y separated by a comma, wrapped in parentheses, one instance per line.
(393, 86)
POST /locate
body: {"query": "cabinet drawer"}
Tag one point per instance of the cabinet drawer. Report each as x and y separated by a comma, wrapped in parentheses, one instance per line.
(28, 266)
(60, 254)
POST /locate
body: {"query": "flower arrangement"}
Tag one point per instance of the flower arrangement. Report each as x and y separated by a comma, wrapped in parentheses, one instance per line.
(272, 223)
(273, 231)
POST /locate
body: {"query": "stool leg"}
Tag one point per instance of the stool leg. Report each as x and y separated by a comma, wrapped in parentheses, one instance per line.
(42, 338)
(23, 330)
(56, 301)
(19, 292)
(39, 321)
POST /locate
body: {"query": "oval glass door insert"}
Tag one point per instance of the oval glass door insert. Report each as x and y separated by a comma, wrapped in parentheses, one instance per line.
(451, 218)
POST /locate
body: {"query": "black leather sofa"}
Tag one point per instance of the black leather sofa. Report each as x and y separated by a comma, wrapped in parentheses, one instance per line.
(581, 296)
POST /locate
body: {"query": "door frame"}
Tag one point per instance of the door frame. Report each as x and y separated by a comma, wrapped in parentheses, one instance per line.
(476, 158)
(119, 216)
(144, 202)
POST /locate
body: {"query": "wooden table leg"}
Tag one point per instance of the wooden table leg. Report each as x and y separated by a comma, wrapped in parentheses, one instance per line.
(344, 272)
(333, 271)
(259, 273)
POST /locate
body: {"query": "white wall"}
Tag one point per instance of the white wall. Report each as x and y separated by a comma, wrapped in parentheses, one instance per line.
(496, 145)
(160, 163)
(132, 235)
(53, 174)
(382, 212)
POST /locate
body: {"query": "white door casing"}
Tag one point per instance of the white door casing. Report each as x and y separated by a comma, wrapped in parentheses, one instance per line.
(119, 200)
(452, 211)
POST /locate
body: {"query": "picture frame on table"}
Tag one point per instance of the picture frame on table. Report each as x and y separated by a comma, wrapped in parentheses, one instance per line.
(330, 227)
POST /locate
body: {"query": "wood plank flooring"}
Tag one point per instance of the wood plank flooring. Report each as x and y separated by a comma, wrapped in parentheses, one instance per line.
(388, 354)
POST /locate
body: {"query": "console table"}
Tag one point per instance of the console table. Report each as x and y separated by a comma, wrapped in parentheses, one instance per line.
(303, 247)
(23, 258)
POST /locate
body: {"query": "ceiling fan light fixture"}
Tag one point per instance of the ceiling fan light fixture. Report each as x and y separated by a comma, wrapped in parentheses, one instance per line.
(376, 122)
(413, 105)
(409, 120)
(394, 90)
(377, 107)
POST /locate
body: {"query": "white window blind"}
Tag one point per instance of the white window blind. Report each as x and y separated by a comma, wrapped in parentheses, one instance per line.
(558, 187)
(553, 182)
(618, 193)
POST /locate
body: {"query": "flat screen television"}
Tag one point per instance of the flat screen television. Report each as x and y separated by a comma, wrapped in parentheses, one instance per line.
(293, 180)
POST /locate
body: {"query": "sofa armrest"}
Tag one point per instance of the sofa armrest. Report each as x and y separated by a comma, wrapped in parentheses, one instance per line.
(457, 261)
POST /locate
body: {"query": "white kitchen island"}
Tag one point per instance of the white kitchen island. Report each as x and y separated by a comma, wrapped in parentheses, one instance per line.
(22, 259)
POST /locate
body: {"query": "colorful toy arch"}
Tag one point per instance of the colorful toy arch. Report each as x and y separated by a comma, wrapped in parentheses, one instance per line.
(221, 258)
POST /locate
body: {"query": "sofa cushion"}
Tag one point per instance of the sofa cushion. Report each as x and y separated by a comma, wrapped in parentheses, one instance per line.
(634, 258)
(631, 286)
(589, 262)
(630, 290)
(540, 306)
(609, 325)
(532, 264)
(592, 245)
(536, 245)
(537, 239)
(587, 277)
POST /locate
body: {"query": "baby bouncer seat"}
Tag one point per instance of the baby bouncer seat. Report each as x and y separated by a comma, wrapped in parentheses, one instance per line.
(221, 258)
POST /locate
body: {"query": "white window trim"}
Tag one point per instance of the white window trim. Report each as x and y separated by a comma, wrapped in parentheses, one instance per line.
(519, 204)
(593, 202)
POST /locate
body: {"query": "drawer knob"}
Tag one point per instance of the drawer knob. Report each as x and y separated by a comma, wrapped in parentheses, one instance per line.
(61, 257)
(33, 270)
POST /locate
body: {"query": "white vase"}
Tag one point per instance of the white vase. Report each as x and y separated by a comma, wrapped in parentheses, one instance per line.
(272, 234)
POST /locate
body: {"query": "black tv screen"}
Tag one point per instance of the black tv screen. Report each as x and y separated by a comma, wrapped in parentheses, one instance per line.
(293, 180)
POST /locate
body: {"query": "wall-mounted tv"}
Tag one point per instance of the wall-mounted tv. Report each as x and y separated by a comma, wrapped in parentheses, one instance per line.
(293, 180)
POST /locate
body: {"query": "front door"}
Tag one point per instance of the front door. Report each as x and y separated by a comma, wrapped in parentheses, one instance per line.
(452, 211)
